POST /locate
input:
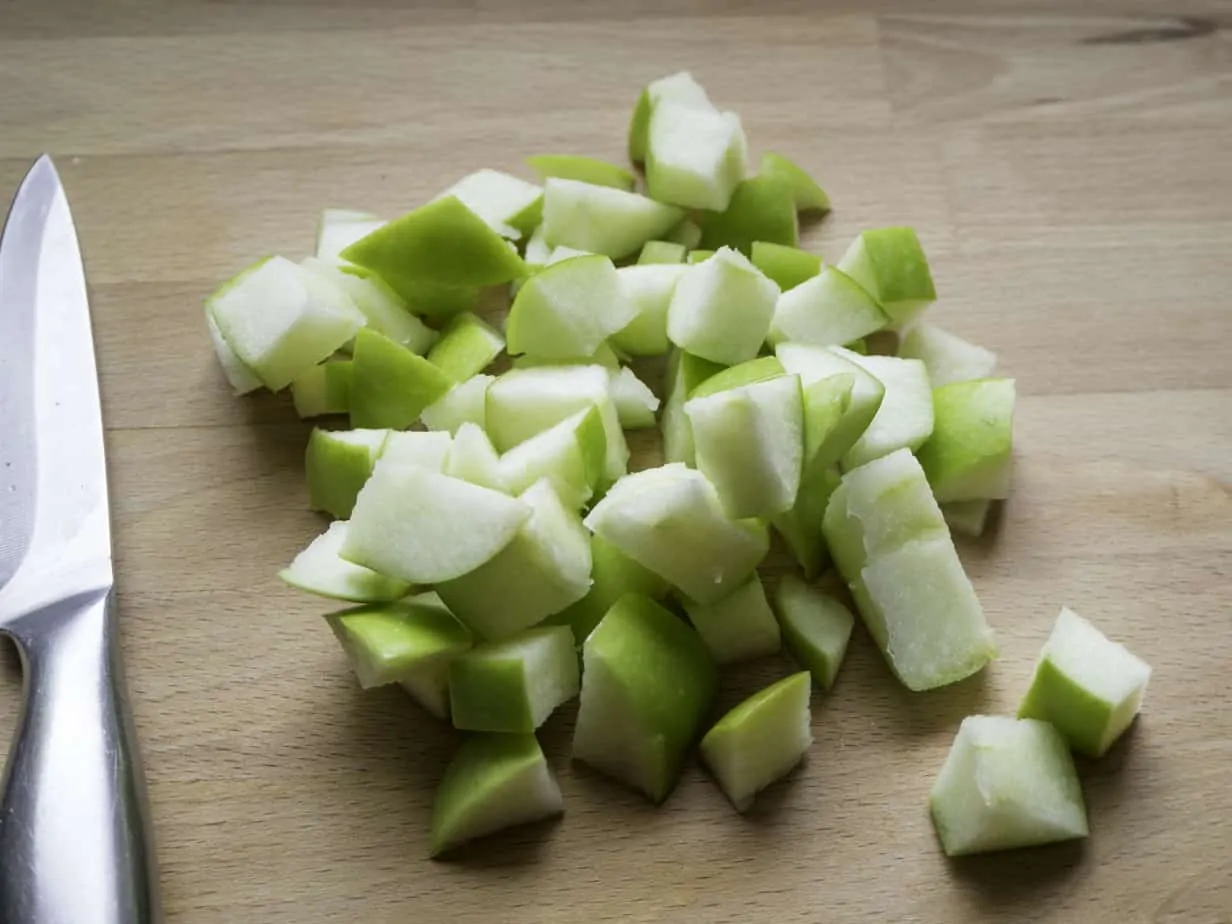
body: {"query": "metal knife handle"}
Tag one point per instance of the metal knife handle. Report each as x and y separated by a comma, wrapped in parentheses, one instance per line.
(74, 837)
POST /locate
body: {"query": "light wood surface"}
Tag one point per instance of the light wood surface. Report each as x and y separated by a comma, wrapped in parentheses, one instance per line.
(1069, 174)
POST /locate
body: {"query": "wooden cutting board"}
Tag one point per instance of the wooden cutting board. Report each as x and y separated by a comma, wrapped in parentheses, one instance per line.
(1069, 176)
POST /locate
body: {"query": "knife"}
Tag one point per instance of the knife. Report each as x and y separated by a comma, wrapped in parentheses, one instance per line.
(74, 840)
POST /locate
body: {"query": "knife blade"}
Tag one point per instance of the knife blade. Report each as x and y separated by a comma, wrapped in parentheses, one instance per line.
(74, 840)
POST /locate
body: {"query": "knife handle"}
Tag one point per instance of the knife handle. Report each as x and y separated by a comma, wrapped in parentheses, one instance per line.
(74, 837)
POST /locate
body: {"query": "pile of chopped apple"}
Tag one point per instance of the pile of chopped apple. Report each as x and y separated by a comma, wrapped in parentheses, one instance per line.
(487, 525)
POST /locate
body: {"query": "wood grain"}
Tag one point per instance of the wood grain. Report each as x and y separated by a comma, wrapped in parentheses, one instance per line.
(1068, 173)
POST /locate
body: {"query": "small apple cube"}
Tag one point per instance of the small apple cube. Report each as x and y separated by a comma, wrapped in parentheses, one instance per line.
(738, 627)
(472, 458)
(506, 203)
(947, 357)
(635, 402)
(410, 643)
(390, 385)
(242, 379)
(670, 519)
(602, 220)
(816, 628)
(830, 309)
(424, 448)
(762, 208)
(467, 346)
(969, 455)
(319, 569)
(1006, 783)
(569, 308)
(905, 417)
(890, 264)
(338, 229)
(721, 309)
(584, 169)
(570, 455)
(800, 526)
(808, 195)
(649, 288)
(463, 403)
(678, 88)
(494, 782)
(322, 390)
(338, 463)
(684, 373)
(695, 156)
(424, 527)
(647, 684)
(542, 570)
(383, 309)
(760, 740)
(967, 518)
(688, 234)
(1089, 687)
(787, 266)
(661, 252)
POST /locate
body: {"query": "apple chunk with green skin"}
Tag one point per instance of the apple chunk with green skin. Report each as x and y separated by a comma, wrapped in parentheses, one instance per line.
(280, 320)
(721, 309)
(647, 684)
(635, 402)
(410, 643)
(670, 520)
(762, 208)
(947, 357)
(738, 627)
(467, 346)
(241, 379)
(969, 455)
(602, 220)
(320, 570)
(514, 685)
(649, 288)
(816, 628)
(542, 570)
(338, 229)
(787, 266)
(905, 417)
(656, 252)
(323, 390)
(684, 373)
(442, 243)
(749, 442)
(890, 264)
(383, 309)
(568, 309)
(809, 197)
(1089, 687)
(800, 526)
(425, 449)
(830, 309)
(814, 365)
(464, 403)
(585, 169)
(760, 740)
(695, 156)
(338, 463)
(506, 203)
(425, 527)
(678, 88)
(967, 518)
(390, 385)
(494, 782)
(472, 458)
(571, 455)
(1006, 783)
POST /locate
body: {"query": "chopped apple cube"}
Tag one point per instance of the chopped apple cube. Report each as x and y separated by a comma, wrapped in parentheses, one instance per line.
(969, 455)
(905, 416)
(472, 458)
(467, 346)
(383, 309)
(338, 463)
(787, 266)
(762, 208)
(665, 252)
(815, 365)
(816, 628)
(501, 200)
(323, 390)
(800, 526)
(684, 373)
(808, 195)
(602, 220)
(967, 518)
(390, 385)
(830, 309)
(947, 357)
(635, 402)
(568, 309)
(570, 455)
(427, 449)
(320, 570)
(584, 169)
(738, 627)
(678, 88)
(649, 288)
(721, 309)
(695, 156)
(242, 379)
(890, 264)
(464, 403)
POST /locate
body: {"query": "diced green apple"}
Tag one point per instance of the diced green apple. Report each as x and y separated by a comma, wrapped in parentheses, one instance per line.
(655, 252)
(760, 740)
(319, 570)
(442, 243)
(649, 288)
(816, 628)
(647, 684)
(762, 208)
(695, 156)
(382, 307)
(809, 197)
(738, 627)
(241, 379)
(750, 372)
(568, 309)
(787, 266)
(604, 356)
(969, 455)
(688, 234)
(464, 403)
(429, 450)
(338, 463)
(947, 357)
(538, 251)
(571, 455)
(830, 309)
(670, 520)
(685, 373)
(967, 518)
(410, 643)
(827, 404)
(816, 364)
(800, 526)
(635, 402)
(513, 686)
(280, 320)
(890, 264)
(501, 200)
(542, 570)
(426, 298)
(750, 444)
(472, 458)
(468, 345)
(338, 229)
(1006, 783)
(323, 389)
(698, 256)
(425, 527)
(613, 574)
(601, 219)
(583, 169)
(390, 385)
(494, 782)
(678, 88)
(721, 309)
(1089, 687)
(905, 416)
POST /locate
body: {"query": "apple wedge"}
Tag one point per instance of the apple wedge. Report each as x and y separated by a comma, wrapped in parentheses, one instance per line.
(602, 220)
(890, 264)
(1089, 687)
(613, 575)
(508, 204)
(816, 628)
(947, 357)
(513, 686)
(678, 88)
(787, 266)
(466, 347)
(905, 417)
(323, 390)
(647, 684)
(1006, 783)
(390, 385)
(410, 643)
(830, 309)
(320, 570)
(494, 782)
(540, 571)
(695, 156)
(809, 197)
(338, 463)
(721, 309)
(583, 169)
(649, 288)
(656, 252)
(424, 527)
(670, 520)
(762, 208)
(738, 627)
(463, 403)
(760, 740)
(472, 458)
(969, 457)
(568, 309)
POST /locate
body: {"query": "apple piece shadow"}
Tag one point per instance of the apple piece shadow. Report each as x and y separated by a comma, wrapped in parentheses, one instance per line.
(1012, 880)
